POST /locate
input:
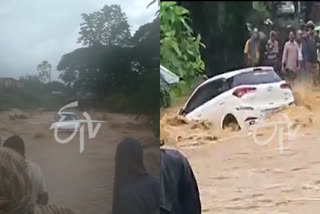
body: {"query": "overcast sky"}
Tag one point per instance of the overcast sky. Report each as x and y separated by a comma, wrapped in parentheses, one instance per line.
(36, 30)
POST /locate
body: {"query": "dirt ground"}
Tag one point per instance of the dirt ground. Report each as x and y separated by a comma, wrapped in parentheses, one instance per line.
(84, 181)
(237, 175)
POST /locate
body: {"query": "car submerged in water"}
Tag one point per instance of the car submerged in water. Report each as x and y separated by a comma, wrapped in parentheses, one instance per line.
(238, 98)
(65, 121)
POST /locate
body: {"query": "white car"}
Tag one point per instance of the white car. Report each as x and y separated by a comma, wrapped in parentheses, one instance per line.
(241, 97)
(65, 121)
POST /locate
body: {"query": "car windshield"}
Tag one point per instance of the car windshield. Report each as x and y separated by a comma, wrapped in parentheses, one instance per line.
(69, 117)
(255, 78)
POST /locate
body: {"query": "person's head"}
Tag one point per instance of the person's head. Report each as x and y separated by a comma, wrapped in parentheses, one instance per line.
(291, 36)
(129, 159)
(15, 191)
(272, 35)
(16, 143)
(299, 35)
(310, 27)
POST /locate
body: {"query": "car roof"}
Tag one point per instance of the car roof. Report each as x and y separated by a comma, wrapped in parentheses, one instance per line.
(230, 74)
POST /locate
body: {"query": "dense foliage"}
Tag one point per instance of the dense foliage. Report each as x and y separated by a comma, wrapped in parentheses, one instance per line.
(223, 31)
(179, 47)
(35, 94)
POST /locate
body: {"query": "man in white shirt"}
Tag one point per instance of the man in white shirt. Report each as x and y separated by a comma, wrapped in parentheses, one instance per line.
(39, 188)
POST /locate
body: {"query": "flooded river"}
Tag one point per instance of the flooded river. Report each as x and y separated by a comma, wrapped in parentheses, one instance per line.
(237, 175)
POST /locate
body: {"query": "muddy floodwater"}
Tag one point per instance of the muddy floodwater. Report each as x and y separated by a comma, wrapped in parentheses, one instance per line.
(84, 181)
(237, 175)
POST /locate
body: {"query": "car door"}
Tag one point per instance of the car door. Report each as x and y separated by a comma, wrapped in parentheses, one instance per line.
(213, 109)
(211, 104)
(199, 96)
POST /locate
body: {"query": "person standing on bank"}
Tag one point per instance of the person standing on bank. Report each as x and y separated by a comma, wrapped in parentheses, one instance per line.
(290, 59)
(310, 53)
(272, 50)
(252, 49)
(301, 68)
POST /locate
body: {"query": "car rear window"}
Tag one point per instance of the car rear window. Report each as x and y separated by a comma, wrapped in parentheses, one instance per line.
(255, 78)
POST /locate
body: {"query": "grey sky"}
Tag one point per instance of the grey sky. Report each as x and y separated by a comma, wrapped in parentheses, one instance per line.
(36, 30)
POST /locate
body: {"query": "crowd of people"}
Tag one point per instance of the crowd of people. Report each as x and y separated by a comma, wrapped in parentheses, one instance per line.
(24, 191)
(22, 185)
(299, 59)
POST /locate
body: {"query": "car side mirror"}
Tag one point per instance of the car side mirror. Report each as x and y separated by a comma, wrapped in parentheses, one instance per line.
(181, 111)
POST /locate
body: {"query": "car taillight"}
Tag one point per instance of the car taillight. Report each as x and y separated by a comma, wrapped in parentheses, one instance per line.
(239, 92)
(285, 86)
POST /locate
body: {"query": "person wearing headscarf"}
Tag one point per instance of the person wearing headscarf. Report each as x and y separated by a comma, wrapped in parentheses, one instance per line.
(135, 191)
(15, 185)
(179, 188)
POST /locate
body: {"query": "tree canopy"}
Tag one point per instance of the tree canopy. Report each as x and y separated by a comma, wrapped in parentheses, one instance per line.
(109, 26)
(121, 71)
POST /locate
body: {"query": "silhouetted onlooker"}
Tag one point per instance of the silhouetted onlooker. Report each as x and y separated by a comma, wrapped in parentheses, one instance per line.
(179, 189)
(135, 191)
(15, 185)
(39, 188)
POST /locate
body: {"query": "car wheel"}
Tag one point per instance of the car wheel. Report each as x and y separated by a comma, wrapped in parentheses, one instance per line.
(230, 122)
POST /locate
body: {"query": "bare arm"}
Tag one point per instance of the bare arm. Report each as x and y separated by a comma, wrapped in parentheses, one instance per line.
(284, 57)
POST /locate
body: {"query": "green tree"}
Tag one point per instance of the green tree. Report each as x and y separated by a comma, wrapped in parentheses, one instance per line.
(44, 69)
(109, 26)
(179, 47)
(123, 78)
(223, 31)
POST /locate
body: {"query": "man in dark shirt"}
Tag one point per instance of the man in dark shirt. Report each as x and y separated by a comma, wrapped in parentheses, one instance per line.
(309, 51)
(179, 189)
